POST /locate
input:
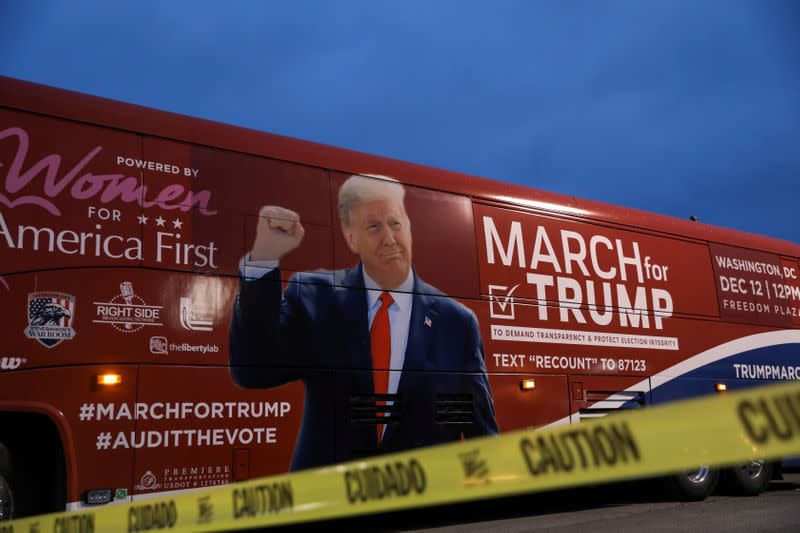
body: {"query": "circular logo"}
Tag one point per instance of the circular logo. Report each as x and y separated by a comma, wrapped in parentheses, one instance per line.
(148, 482)
(132, 301)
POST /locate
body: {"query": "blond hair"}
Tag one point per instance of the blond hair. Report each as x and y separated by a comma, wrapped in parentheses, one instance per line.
(360, 189)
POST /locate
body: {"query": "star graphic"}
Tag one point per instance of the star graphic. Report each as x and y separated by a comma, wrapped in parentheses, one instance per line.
(177, 224)
(142, 220)
(160, 221)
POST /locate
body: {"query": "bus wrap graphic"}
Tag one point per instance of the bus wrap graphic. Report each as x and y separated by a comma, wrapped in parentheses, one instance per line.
(50, 317)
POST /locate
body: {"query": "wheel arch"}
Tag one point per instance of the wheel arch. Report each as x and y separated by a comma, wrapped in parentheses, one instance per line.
(57, 419)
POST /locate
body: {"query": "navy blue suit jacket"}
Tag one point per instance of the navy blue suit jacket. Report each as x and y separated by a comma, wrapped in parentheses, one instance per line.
(317, 332)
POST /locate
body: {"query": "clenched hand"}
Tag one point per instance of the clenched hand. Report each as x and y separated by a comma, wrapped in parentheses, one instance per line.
(278, 232)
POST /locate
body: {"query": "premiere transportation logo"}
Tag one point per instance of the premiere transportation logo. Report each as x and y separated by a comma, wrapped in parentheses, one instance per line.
(50, 317)
(148, 482)
(127, 312)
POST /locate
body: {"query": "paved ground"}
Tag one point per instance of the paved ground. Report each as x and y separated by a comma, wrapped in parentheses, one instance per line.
(775, 510)
(621, 507)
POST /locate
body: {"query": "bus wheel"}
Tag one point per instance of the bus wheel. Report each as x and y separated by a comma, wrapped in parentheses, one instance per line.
(695, 484)
(6, 495)
(748, 479)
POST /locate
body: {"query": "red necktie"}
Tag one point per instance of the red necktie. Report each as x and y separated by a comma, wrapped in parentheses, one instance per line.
(380, 335)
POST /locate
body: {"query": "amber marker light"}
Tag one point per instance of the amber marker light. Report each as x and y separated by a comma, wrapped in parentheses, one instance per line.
(527, 384)
(109, 379)
(721, 387)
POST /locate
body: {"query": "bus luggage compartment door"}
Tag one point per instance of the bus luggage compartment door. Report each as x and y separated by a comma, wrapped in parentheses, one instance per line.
(597, 396)
(529, 400)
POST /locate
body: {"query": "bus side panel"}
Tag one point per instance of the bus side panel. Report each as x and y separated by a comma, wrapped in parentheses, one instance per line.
(213, 225)
(743, 369)
(72, 204)
(516, 408)
(97, 437)
(444, 254)
(756, 287)
(194, 420)
(15, 345)
(596, 396)
(740, 369)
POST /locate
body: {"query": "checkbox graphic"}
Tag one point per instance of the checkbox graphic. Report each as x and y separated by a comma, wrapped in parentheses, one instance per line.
(501, 301)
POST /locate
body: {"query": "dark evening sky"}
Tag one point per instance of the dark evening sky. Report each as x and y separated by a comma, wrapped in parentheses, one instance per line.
(682, 108)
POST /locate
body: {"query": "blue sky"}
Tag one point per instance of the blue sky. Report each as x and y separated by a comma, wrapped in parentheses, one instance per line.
(678, 107)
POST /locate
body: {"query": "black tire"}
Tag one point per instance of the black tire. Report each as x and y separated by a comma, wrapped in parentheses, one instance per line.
(6, 492)
(693, 485)
(748, 479)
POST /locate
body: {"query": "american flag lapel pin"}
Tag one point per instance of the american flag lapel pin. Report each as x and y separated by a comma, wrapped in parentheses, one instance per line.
(428, 322)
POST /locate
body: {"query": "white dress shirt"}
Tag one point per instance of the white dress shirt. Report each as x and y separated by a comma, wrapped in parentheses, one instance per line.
(399, 311)
(399, 320)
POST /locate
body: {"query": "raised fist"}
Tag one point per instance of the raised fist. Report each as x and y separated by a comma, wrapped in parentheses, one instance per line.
(278, 232)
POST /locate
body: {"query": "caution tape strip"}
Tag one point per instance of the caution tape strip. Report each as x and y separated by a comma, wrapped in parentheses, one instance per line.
(726, 429)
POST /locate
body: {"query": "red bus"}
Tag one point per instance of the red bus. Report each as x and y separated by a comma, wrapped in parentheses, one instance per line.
(187, 304)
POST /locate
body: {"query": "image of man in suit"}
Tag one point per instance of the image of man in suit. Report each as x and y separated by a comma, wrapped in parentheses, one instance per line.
(373, 332)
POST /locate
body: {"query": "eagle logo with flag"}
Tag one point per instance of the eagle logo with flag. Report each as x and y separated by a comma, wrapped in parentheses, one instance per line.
(50, 317)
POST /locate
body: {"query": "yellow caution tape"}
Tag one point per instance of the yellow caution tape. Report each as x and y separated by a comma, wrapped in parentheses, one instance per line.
(726, 429)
